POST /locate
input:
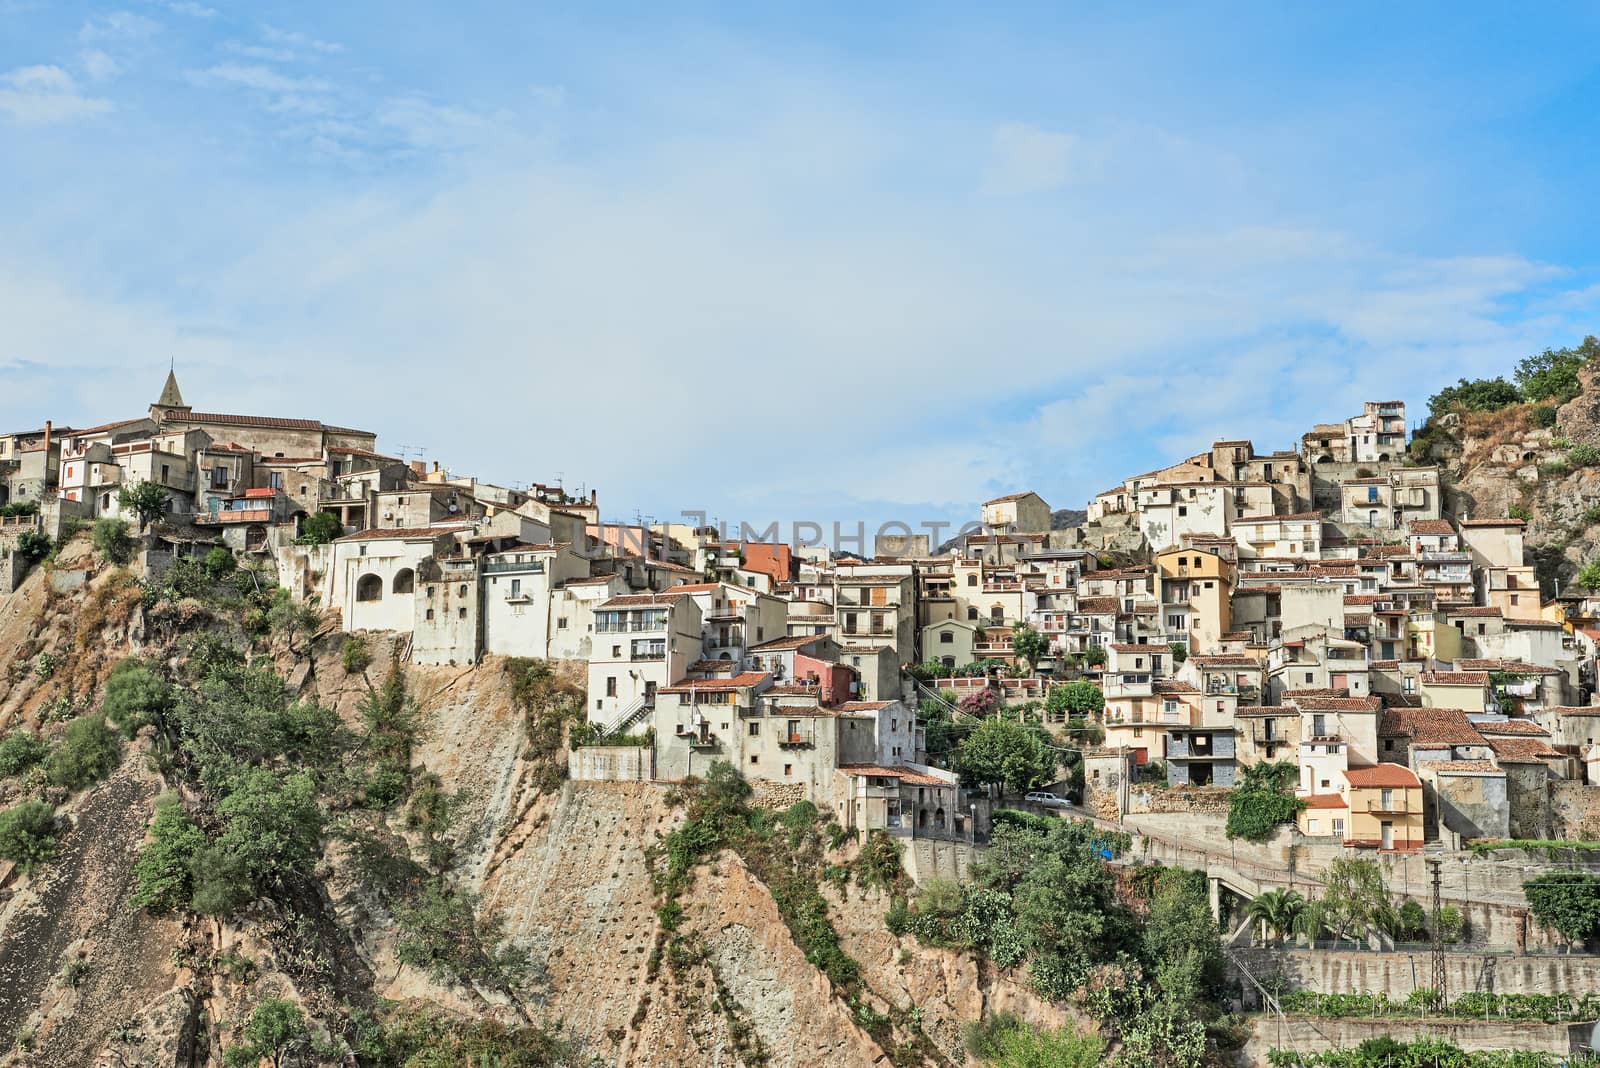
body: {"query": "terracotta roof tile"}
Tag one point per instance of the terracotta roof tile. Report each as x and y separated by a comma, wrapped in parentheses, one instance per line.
(1327, 801)
(1429, 726)
(1455, 678)
(1521, 750)
(1382, 775)
(401, 533)
(1461, 765)
(1432, 526)
(733, 682)
(904, 774)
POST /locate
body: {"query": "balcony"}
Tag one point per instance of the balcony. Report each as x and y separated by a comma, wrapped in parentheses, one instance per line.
(797, 741)
(496, 567)
(630, 626)
(226, 516)
(1397, 806)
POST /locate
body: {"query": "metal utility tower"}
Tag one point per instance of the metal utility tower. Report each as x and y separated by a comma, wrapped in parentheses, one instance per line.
(1438, 939)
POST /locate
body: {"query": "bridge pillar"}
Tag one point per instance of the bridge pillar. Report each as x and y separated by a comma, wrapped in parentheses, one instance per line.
(1215, 887)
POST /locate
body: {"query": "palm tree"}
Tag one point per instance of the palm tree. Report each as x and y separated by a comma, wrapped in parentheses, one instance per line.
(1277, 911)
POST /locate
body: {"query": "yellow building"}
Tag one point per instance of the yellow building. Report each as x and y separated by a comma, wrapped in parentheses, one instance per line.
(1385, 804)
(1430, 637)
(1196, 595)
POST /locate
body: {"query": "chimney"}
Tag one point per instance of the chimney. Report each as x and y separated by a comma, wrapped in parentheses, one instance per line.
(418, 468)
(436, 465)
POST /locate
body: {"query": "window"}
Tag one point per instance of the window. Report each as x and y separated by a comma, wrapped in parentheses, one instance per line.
(755, 730)
(561, 623)
(616, 652)
(1338, 826)
(516, 587)
(219, 477)
(1311, 826)
(611, 686)
(788, 769)
(754, 759)
(1183, 510)
(972, 613)
(946, 638)
(275, 479)
(1310, 676)
(430, 614)
(463, 590)
(972, 580)
(461, 613)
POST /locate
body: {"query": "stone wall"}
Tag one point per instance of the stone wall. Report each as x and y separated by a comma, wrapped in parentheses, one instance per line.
(928, 858)
(1575, 811)
(1209, 800)
(769, 793)
(1315, 1035)
(611, 763)
(1397, 974)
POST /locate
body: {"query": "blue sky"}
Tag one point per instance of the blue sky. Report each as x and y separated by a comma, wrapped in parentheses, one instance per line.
(833, 263)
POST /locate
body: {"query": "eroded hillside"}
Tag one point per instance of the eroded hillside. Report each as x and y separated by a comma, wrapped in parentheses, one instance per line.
(461, 897)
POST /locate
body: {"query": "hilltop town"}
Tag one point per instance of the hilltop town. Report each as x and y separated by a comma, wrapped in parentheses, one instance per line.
(1331, 624)
(1316, 605)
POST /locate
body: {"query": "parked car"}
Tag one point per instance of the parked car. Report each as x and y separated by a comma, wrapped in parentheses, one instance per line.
(1047, 799)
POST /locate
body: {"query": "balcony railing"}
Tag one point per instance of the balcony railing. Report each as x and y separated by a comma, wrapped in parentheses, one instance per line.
(796, 741)
(1395, 806)
(501, 566)
(635, 626)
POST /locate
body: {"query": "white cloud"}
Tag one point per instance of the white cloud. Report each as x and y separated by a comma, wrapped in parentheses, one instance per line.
(118, 26)
(98, 65)
(192, 9)
(296, 39)
(254, 76)
(265, 53)
(1025, 158)
(43, 95)
(427, 125)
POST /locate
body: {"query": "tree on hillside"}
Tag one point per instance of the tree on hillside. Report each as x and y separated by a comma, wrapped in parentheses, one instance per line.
(147, 500)
(1553, 374)
(1029, 645)
(1077, 698)
(320, 529)
(1589, 575)
(1354, 899)
(1479, 395)
(1007, 753)
(1277, 910)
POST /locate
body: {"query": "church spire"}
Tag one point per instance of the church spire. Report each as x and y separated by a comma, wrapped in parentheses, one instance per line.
(171, 396)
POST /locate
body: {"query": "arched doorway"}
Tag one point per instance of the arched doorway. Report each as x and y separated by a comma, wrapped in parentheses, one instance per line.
(404, 580)
(369, 588)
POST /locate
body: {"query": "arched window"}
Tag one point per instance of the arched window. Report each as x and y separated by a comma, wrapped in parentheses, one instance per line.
(938, 819)
(997, 613)
(404, 580)
(369, 588)
(972, 613)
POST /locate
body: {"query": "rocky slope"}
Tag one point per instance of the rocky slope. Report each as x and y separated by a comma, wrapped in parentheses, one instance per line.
(563, 868)
(1503, 463)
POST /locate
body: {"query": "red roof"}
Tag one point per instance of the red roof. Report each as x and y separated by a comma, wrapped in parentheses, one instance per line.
(1432, 526)
(1512, 726)
(1455, 678)
(1327, 801)
(904, 774)
(401, 533)
(1507, 522)
(1521, 750)
(733, 682)
(260, 493)
(1382, 775)
(864, 706)
(1429, 726)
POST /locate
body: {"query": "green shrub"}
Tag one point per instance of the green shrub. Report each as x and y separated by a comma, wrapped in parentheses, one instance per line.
(28, 834)
(320, 529)
(1263, 801)
(1583, 455)
(355, 656)
(112, 540)
(164, 868)
(136, 696)
(20, 750)
(1544, 416)
(1520, 511)
(219, 563)
(33, 545)
(87, 753)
